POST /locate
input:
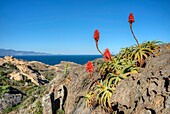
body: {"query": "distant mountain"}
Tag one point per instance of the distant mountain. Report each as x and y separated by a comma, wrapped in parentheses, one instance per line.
(11, 52)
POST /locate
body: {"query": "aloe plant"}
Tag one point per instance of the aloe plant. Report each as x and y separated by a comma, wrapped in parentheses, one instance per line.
(89, 98)
(153, 45)
(66, 70)
(104, 93)
(140, 54)
(114, 69)
(125, 53)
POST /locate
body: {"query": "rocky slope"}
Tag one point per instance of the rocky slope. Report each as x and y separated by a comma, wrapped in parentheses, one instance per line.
(20, 78)
(22, 69)
(145, 93)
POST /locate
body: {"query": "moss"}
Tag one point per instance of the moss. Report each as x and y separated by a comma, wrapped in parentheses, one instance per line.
(2, 73)
(25, 106)
(48, 74)
(9, 109)
(38, 108)
(4, 89)
(35, 90)
(60, 111)
(32, 99)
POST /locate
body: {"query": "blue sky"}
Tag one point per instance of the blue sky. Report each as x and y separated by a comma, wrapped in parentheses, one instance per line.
(67, 26)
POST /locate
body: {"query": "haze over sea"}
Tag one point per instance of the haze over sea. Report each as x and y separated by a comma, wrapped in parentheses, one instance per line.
(56, 59)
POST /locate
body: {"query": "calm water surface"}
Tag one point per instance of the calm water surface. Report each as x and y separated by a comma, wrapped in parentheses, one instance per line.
(55, 59)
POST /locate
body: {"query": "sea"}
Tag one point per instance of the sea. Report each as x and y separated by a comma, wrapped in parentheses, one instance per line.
(56, 59)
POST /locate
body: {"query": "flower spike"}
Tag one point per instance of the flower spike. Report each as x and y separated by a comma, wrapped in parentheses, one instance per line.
(107, 55)
(131, 20)
(89, 67)
(96, 37)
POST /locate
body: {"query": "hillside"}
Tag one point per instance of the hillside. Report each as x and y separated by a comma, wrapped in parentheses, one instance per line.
(36, 88)
(10, 52)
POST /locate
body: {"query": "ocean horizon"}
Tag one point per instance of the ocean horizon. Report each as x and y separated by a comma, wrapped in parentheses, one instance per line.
(56, 59)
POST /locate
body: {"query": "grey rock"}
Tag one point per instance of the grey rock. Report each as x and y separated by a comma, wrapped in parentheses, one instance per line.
(8, 100)
(148, 92)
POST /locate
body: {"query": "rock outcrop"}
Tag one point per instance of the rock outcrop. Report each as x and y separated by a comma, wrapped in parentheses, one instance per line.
(145, 93)
(27, 78)
(23, 68)
(149, 91)
(9, 100)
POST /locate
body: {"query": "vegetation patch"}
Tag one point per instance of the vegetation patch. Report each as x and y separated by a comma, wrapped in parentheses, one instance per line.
(116, 68)
(4, 89)
(38, 108)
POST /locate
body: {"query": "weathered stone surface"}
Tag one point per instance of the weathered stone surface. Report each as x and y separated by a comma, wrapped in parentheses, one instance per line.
(46, 103)
(79, 83)
(8, 100)
(149, 91)
(16, 76)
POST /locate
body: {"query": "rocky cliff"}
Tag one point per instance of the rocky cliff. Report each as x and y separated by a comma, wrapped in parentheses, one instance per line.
(147, 92)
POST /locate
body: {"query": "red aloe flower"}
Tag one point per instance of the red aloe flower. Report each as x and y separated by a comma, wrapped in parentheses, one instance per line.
(131, 18)
(107, 55)
(89, 67)
(96, 35)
